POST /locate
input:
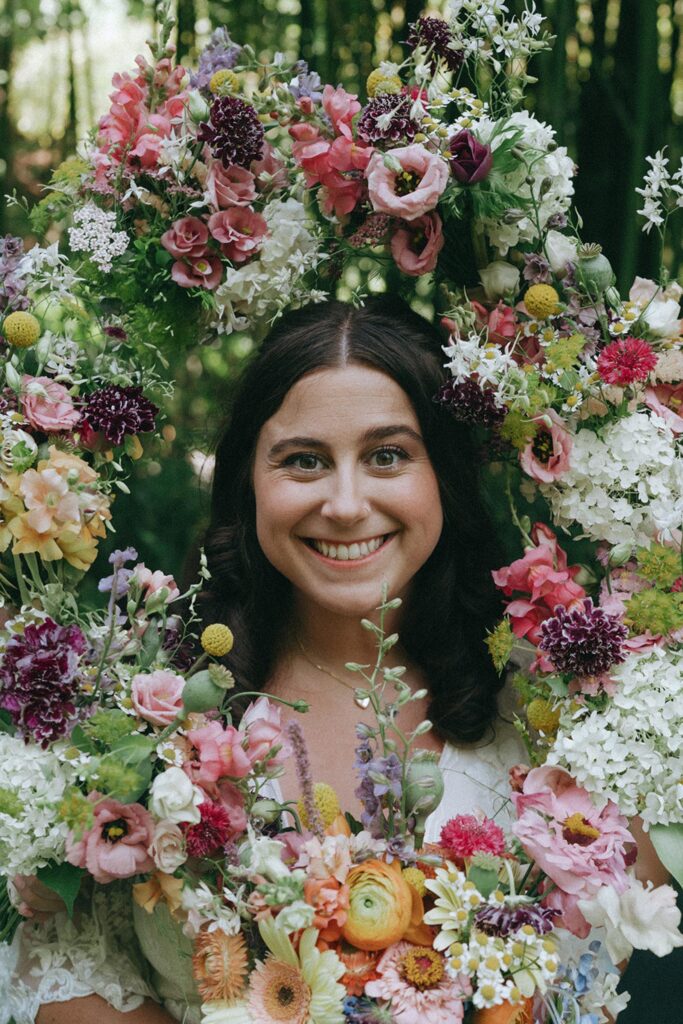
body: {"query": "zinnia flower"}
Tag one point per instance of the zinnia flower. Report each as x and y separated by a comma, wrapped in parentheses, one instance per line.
(414, 978)
(466, 834)
(585, 641)
(626, 361)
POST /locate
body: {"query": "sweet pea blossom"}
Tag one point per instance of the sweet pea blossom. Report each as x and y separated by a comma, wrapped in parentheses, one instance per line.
(414, 188)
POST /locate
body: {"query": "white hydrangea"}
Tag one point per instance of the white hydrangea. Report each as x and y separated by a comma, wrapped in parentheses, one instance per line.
(32, 783)
(96, 236)
(624, 485)
(631, 752)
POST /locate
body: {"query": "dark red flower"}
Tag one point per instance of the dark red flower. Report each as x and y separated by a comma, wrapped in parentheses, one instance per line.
(464, 835)
(115, 411)
(470, 403)
(626, 361)
(211, 833)
(234, 132)
(586, 641)
(435, 36)
(400, 127)
(471, 160)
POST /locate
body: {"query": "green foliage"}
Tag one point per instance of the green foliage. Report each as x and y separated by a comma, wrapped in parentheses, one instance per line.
(65, 880)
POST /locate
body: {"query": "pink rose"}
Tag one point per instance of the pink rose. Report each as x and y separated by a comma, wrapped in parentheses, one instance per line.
(666, 400)
(157, 696)
(423, 178)
(221, 752)
(546, 458)
(203, 272)
(239, 231)
(116, 845)
(186, 239)
(416, 246)
(153, 582)
(47, 405)
(262, 722)
(341, 107)
(500, 321)
(229, 186)
(579, 847)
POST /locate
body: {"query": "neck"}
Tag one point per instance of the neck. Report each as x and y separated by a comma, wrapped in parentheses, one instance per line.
(332, 639)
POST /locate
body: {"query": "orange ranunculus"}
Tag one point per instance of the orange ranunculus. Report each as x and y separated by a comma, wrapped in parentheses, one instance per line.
(506, 1013)
(417, 932)
(380, 905)
(330, 900)
(360, 968)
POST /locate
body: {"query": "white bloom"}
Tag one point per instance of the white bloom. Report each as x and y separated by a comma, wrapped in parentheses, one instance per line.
(209, 910)
(220, 1012)
(167, 847)
(96, 236)
(660, 312)
(173, 797)
(640, 918)
(263, 856)
(560, 250)
(499, 278)
(295, 916)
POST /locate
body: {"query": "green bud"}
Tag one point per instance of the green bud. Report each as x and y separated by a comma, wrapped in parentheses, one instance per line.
(201, 694)
(267, 811)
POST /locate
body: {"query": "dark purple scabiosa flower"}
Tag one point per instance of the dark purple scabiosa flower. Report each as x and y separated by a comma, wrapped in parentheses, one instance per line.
(435, 36)
(502, 921)
(39, 680)
(586, 641)
(387, 118)
(112, 331)
(233, 132)
(116, 411)
(220, 52)
(470, 403)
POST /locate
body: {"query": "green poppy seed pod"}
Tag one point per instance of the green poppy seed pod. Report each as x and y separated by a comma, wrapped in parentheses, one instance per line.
(595, 273)
(423, 789)
(201, 694)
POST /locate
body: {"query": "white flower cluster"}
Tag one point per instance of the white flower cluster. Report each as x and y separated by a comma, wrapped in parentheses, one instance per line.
(32, 783)
(631, 752)
(49, 271)
(262, 288)
(661, 189)
(494, 38)
(475, 355)
(96, 236)
(623, 485)
(543, 177)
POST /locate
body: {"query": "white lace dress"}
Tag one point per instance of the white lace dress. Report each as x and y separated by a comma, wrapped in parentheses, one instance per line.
(62, 960)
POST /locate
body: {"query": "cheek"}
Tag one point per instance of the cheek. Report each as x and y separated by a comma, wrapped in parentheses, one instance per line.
(279, 506)
(422, 511)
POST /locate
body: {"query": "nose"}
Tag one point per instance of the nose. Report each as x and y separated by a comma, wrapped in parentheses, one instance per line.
(346, 500)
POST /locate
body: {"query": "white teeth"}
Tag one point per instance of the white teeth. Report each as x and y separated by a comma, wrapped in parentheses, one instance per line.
(348, 552)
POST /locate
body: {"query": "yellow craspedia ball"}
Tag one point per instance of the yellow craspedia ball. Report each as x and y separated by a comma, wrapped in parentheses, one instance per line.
(326, 803)
(381, 84)
(542, 716)
(224, 82)
(21, 329)
(416, 879)
(541, 301)
(217, 640)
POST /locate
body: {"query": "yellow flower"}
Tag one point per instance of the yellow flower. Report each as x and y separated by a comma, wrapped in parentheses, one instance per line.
(217, 640)
(326, 803)
(542, 301)
(415, 878)
(21, 329)
(542, 716)
(224, 82)
(159, 886)
(381, 84)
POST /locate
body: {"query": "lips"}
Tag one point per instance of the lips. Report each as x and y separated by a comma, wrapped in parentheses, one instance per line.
(348, 552)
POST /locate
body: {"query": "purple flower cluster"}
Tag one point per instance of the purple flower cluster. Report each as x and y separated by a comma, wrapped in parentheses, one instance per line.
(362, 1011)
(470, 403)
(434, 35)
(39, 680)
(119, 580)
(502, 921)
(116, 411)
(585, 642)
(12, 281)
(220, 52)
(378, 776)
(233, 132)
(400, 125)
(305, 84)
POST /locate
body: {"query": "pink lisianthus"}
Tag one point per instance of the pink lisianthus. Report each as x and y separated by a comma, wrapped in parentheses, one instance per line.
(186, 239)
(229, 186)
(202, 272)
(262, 725)
(47, 405)
(500, 321)
(239, 231)
(157, 696)
(221, 753)
(416, 245)
(667, 400)
(546, 458)
(579, 847)
(341, 107)
(116, 846)
(423, 175)
(410, 1003)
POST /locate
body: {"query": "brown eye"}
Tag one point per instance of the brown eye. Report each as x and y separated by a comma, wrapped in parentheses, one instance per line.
(387, 458)
(306, 461)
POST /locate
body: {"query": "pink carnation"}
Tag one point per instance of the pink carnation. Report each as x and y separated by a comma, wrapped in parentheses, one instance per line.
(412, 191)
(116, 845)
(262, 723)
(229, 186)
(157, 696)
(667, 401)
(51, 408)
(579, 847)
(467, 834)
(202, 272)
(221, 752)
(186, 239)
(626, 361)
(416, 245)
(546, 458)
(239, 231)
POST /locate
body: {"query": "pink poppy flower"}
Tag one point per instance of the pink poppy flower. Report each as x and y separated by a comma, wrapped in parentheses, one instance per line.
(239, 231)
(341, 107)
(666, 400)
(47, 405)
(262, 724)
(186, 238)
(116, 845)
(546, 458)
(416, 246)
(221, 753)
(229, 186)
(157, 696)
(202, 272)
(413, 191)
(579, 847)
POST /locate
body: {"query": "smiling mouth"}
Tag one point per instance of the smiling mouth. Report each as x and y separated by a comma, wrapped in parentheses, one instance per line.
(348, 552)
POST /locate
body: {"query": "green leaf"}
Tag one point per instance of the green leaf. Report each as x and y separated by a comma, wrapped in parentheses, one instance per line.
(557, 686)
(64, 879)
(6, 722)
(485, 879)
(353, 824)
(134, 749)
(83, 742)
(668, 842)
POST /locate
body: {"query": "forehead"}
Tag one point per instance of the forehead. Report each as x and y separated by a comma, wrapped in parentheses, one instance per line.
(340, 402)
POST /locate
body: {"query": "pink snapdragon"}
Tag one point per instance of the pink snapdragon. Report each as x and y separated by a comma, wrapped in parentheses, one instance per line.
(239, 231)
(500, 321)
(229, 186)
(341, 107)
(47, 405)
(117, 844)
(157, 696)
(262, 725)
(221, 752)
(546, 457)
(416, 245)
(413, 190)
(579, 847)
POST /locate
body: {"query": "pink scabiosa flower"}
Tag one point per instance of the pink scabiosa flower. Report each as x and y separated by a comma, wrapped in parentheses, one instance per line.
(413, 189)
(229, 186)
(580, 848)
(416, 245)
(47, 405)
(546, 458)
(211, 833)
(117, 844)
(421, 991)
(117, 412)
(239, 231)
(585, 641)
(186, 238)
(221, 752)
(467, 834)
(626, 361)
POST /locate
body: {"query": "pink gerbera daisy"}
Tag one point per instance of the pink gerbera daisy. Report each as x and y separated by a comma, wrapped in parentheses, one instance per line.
(626, 361)
(414, 978)
(466, 834)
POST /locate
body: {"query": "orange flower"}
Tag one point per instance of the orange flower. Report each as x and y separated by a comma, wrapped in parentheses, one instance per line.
(360, 968)
(220, 965)
(159, 886)
(505, 1013)
(330, 900)
(339, 827)
(380, 905)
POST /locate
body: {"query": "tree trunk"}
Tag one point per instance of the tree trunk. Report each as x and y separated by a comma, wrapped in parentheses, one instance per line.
(71, 130)
(6, 126)
(186, 37)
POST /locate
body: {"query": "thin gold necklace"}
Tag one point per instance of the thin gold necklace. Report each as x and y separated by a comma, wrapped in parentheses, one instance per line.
(362, 702)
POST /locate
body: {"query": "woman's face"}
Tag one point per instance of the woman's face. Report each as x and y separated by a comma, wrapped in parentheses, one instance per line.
(346, 496)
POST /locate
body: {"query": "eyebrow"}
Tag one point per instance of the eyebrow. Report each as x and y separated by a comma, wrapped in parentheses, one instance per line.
(374, 434)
